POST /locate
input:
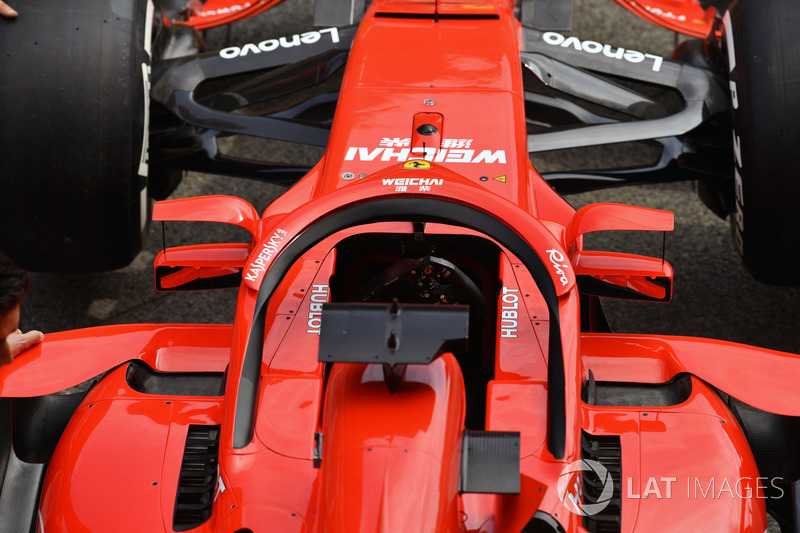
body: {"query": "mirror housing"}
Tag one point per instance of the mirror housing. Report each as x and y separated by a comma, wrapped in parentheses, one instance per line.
(616, 217)
(624, 276)
(200, 267)
(618, 275)
(213, 208)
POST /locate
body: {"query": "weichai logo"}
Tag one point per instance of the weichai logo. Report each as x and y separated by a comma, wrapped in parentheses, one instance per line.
(450, 151)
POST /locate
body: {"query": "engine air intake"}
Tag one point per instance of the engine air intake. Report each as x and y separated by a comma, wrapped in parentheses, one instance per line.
(607, 451)
(198, 476)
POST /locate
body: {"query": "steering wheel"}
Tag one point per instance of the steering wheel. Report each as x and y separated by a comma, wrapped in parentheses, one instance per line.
(427, 280)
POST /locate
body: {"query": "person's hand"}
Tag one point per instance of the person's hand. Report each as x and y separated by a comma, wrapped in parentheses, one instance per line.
(16, 343)
(7, 11)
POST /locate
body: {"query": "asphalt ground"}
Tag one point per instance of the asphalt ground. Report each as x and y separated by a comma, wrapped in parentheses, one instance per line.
(713, 295)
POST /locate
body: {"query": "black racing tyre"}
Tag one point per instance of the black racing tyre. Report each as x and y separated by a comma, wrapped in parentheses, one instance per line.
(774, 440)
(764, 74)
(74, 83)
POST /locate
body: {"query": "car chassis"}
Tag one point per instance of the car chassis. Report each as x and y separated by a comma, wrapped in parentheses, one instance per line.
(418, 343)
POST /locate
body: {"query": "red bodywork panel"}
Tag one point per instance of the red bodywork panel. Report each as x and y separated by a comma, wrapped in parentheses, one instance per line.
(683, 16)
(210, 13)
(308, 446)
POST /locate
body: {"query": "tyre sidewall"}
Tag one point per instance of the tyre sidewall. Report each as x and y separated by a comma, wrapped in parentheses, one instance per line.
(764, 74)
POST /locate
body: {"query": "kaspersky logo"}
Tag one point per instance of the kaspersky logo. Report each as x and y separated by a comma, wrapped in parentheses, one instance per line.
(570, 484)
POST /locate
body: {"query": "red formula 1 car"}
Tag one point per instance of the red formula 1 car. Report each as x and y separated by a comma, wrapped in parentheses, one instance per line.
(418, 343)
(81, 79)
